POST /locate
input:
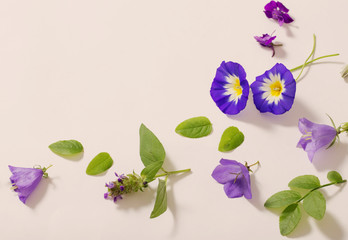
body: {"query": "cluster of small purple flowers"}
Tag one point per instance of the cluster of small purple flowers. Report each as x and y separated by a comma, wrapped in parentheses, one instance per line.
(124, 184)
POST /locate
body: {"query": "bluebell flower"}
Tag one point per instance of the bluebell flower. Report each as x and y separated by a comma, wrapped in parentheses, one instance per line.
(230, 89)
(274, 91)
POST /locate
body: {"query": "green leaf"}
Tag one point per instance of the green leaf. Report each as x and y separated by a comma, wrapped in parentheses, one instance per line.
(282, 199)
(230, 139)
(194, 127)
(315, 204)
(99, 164)
(161, 199)
(305, 182)
(66, 147)
(150, 171)
(151, 149)
(334, 177)
(289, 219)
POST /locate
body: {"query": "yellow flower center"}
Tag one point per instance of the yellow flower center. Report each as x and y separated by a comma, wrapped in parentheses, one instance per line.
(237, 88)
(276, 88)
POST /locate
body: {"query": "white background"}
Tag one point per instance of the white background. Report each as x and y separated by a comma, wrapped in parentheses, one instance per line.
(95, 70)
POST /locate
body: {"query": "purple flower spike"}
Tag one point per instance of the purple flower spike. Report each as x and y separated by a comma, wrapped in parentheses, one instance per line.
(266, 41)
(235, 177)
(315, 136)
(278, 11)
(230, 89)
(25, 180)
(274, 91)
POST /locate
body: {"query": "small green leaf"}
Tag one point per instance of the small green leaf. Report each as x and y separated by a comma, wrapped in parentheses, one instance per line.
(334, 177)
(194, 127)
(150, 171)
(305, 182)
(161, 199)
(315, 204)
(230, 139)
(282, 199)
(289, 219)
(66, 147)
(99, 164)
(151, 149)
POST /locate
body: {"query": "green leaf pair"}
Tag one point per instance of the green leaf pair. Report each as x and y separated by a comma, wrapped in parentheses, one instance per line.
(201, 126)
(314, 202)
(67, 148)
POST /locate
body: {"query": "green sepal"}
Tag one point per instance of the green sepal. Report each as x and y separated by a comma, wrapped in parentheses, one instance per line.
(305, 182)
(66, 147)
(282, 199)
(315, 204)
(194, 127)
(161, 199)
(99, 164)
(289, 219)
(230, 139)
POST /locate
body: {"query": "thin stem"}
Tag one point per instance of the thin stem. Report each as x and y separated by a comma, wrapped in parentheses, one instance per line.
(257, 163)
(314, 44)
(325, 185)
(309, 62)
(172, 172)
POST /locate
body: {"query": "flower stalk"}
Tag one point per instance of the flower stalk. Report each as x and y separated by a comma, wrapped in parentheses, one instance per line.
(172, 172)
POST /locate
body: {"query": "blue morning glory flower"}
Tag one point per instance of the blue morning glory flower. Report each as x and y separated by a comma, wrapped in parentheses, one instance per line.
(230, 89)
(274, 91)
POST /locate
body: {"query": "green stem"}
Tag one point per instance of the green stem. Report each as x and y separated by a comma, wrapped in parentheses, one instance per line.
(325, 185)
(312, 52)
(309, 62)
(172, 172)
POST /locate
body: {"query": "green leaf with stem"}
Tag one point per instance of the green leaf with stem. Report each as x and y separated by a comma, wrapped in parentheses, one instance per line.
(161, 199)
(315, 205)
(289, 219)
(304, 182)
(194, 127)
(334, 177)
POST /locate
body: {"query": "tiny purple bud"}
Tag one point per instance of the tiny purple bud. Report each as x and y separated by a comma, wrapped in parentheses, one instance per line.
(121, 188)
(106, 195)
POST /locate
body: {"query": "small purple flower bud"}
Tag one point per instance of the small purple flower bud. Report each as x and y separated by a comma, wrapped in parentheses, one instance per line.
(121, 188)
(106, 195)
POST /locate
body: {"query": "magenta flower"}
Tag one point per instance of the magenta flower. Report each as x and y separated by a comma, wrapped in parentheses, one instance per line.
(278, 11)
(266, 41)
(235, 177)
(25, 180)
(315, 136)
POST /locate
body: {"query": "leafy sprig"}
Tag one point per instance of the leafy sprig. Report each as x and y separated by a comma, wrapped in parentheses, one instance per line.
(314, 202)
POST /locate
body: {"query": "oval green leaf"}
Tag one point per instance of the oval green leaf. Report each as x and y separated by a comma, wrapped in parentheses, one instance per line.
(66, 147)
(230, 139)
(161, 199)
(305, 182)
(151, 149)
(334, 177)
(99, 164)
(289, 219)
(150, 171)
(315, 205)
(194, 127)
(282, 199)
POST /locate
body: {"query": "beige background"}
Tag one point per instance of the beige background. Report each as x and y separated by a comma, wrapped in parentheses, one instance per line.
(95, 70)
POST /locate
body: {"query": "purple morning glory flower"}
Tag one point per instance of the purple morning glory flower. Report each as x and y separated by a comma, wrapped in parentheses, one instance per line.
(230, 89)
(315, 136)
(235, 177)
(278, 11)
(266, 41)
(274, 91)
(25, 180)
